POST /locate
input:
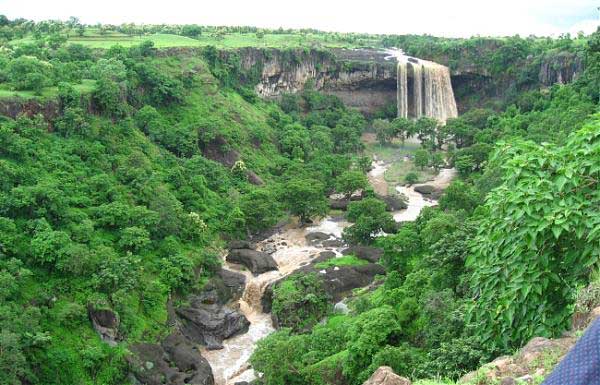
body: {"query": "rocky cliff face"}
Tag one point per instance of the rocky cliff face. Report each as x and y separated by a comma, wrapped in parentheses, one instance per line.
(361, 78)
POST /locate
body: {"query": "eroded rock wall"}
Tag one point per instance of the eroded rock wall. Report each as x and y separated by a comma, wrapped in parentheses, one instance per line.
(361, 78)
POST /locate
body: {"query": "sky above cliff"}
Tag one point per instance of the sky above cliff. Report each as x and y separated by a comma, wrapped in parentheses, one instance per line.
(455, 18)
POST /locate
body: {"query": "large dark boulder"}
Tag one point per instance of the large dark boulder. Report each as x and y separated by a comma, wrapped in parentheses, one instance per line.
(210, 324)
(224, 287)
(429, 191)
(316, 237)
(340, 281)
(393, 202)
(256, 261)
(175, 361)
(369, 253)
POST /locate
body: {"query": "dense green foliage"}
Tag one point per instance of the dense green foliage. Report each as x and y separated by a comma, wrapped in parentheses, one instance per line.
(539, 236)
(119, 200)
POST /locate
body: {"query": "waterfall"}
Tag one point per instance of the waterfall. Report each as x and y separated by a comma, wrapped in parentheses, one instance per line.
(430, 93)
(402, 90)
(417, 99)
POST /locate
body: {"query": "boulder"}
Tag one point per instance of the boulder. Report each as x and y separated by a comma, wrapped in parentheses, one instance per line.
(429, 191)
(256, 261)
(332, 243)
(210, 324)
(239, 244)
(539, 346)
(323, 256)
(386, 376)
(316, 237)
(369, 253)
(224, 287)
(106, 324)
(175, 361)
(338, 204)
(393, 202)
(340, 281)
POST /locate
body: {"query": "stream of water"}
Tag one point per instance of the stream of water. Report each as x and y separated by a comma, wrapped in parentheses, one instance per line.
(292, 251)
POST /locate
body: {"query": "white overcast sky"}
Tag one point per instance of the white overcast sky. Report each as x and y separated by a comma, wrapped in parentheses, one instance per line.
(436, 17)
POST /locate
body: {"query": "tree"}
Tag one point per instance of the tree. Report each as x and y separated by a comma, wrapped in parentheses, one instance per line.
(399, 248)
(538, 239)
(29, 73)
(426, 129)
(436, 160)
(403, 128)
(421, 158)
(370, 217)
(305, 198)
(261, 209)
(350, 181)
(383, 131)
(411, 178)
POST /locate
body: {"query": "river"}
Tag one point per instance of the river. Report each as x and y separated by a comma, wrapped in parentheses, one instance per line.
(292, 251)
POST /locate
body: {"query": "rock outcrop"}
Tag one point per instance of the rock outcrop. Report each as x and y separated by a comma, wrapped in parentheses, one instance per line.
(210, 323)
(106, 323)
(369, 253)
(257, 262)
(175, 361)
(224, 287)
(384, 375)
(533, 359)
(338, 281)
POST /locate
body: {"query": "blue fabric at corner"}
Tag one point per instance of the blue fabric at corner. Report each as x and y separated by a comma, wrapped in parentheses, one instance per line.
(581, 366)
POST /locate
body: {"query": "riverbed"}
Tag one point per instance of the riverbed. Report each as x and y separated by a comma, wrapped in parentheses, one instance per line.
(292, 251)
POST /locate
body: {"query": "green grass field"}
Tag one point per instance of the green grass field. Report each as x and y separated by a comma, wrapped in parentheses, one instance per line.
(86, 87)
(93, 39)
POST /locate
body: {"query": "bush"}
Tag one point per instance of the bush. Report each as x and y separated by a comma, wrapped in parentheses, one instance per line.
(299, 302)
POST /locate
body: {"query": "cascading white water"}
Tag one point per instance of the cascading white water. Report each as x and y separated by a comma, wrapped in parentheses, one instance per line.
(431, 93)
(417, 96)
(402, 90)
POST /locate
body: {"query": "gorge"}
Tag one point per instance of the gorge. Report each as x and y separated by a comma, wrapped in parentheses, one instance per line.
(184, 204)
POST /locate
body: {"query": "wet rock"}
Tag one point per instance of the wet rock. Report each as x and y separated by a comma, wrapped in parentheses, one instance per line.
(176, 361)
(333, 243)
(256, 261)
(386, 376)
(317, 237)
(210, 324)
(393, 202)
(429, 191)
(106, 324)
(240, 244)
(339, 282)
(369, 253)
(224, 287)
(269, 248)
(324, 256)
